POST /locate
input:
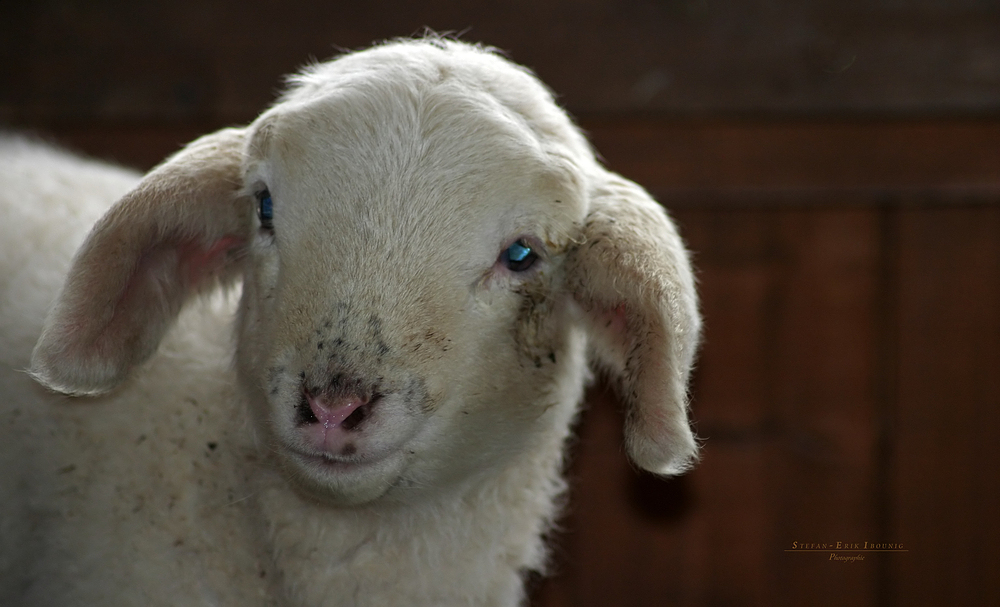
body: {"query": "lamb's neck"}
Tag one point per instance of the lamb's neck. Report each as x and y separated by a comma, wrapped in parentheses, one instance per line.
(467, 546)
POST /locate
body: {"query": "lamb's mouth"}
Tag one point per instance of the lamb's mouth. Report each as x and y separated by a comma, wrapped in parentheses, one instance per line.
(349, 461)
(332, 461)
(343, 481)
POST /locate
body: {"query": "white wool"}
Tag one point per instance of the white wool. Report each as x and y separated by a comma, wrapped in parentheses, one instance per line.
(199, 349)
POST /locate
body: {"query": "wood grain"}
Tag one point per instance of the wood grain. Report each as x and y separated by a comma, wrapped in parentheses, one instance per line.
(222, 60)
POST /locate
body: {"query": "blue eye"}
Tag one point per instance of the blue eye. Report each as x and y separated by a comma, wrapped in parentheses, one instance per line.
(518, 257)
(265, 210)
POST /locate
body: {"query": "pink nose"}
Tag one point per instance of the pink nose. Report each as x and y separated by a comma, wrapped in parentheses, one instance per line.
(331, 411)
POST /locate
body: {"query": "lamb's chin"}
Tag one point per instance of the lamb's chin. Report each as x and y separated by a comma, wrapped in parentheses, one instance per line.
(344, 482)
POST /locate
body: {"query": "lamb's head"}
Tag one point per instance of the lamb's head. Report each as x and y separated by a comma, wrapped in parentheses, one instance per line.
(427, 247)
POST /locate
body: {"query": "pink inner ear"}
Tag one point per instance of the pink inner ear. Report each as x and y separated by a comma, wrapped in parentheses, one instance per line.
(201, 263)
(615, 320)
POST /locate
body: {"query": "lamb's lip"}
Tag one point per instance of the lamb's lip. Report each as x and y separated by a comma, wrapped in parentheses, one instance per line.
(329, 461)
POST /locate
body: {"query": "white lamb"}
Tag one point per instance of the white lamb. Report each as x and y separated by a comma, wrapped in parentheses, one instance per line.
(421, 252)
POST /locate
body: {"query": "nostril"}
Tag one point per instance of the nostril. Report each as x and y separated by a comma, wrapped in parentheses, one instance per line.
(333, 409)
(354, 419)
(359, 415)
(303, 412)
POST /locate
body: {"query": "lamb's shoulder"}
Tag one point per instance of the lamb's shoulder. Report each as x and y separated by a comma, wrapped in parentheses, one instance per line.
(153, 482)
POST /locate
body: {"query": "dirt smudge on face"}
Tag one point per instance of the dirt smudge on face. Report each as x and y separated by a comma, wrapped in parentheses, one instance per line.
(535, 328)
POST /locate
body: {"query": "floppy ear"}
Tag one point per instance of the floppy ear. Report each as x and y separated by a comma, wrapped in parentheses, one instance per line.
(180, 231)
(632, 279)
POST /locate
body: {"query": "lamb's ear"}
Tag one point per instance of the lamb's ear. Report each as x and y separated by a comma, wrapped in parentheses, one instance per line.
(180, 231)
(632, 278)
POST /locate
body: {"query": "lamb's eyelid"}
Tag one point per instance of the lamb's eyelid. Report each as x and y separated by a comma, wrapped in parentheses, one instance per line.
(535, 243)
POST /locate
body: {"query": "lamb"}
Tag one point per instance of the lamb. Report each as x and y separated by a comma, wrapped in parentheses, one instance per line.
(332, 357)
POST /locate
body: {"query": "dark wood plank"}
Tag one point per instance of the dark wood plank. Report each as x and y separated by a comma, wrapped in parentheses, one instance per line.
(221, 60)
(832, 161)
(785, 396)
(946, 489)
(815, 357)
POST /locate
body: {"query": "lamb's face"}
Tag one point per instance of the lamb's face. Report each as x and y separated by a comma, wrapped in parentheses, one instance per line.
(403, 323)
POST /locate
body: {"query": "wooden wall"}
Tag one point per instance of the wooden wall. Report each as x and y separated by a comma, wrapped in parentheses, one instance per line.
(835, 168)
(850, 279)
